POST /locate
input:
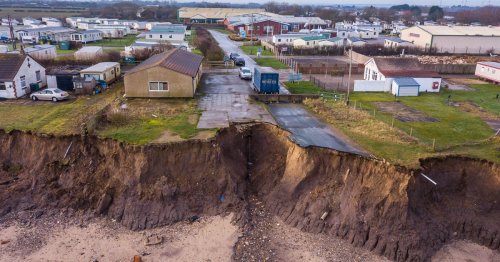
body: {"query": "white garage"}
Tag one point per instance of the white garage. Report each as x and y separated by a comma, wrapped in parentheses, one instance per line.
(405, 86)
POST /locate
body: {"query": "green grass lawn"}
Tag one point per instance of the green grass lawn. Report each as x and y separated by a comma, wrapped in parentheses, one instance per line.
(65, 52)
(190, 38)
(196, 51)
(116, 42)
(456, 132)
(270, 62)
(148, 119)
(54, 118)
(252, 50)
(223, 30)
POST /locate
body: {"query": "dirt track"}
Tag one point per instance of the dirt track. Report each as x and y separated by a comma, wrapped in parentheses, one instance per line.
(385, 209)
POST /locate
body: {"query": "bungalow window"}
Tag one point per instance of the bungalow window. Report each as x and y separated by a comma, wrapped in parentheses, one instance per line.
(161, 36)
(3, 86)
(38, 76)
(158, 86)
(23, 81)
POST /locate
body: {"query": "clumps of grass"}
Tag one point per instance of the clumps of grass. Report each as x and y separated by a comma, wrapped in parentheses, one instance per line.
(358, 122)
(117, 118)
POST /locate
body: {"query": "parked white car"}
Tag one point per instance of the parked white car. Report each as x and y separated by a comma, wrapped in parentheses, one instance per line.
(245, 73)
(50, 94)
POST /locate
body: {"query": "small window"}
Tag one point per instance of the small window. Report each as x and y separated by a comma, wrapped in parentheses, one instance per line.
(170, 36)
(23, 81)
(150, 36)
(3, 86)
(38, 76)
(161, 36)
(279, 40)
(158, 86)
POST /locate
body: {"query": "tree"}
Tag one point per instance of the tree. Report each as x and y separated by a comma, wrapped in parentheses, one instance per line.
(436, 13)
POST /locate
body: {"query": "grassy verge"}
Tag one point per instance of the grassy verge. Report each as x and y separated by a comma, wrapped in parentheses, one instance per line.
(60, 118)
(456, 132)
(190, 38)
(65, 52)
(224, 31)
(270, 62)
(252, 50)
(147, 121)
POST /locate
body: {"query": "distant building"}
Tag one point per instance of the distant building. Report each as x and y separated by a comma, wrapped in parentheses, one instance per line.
(396, 43)
(399, 76)
(173, 33)
(175, 73)
(354, 41)
(57, 33)
(31, 21)
(17, 72)
(199, 15)
(455, 39)
(87, 36)
(286, 39)
(308, 41)
(105, 71)
(50, 21)
(489, 71)
(88, 53)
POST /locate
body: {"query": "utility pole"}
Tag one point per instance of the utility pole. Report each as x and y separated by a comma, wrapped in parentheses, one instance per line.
(349, 81)
(251, 32)
(11, 29)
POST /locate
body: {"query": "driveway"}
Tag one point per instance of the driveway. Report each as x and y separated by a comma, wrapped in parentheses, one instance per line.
(231, 47)
(307, 130)
(226, 99)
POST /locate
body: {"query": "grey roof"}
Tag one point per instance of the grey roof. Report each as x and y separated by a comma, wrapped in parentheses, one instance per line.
(177, 59)
(52, 29)
(406, 81)
(490, 64)
(9, 65)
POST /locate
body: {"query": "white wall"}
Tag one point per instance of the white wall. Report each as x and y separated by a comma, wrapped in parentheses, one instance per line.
(29, 73)
(490, 73)
(166, 37)
(44, 54)
(427, 83)
(51, 81)
(370, 86)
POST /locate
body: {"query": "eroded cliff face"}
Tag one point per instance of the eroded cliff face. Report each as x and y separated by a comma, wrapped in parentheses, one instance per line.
(387, 209)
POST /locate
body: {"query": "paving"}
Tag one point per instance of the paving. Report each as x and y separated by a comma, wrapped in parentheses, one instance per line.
(307, 130)
(231, 47)
(226, 100)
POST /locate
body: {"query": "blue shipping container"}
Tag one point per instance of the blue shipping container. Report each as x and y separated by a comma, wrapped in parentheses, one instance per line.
(266, 81)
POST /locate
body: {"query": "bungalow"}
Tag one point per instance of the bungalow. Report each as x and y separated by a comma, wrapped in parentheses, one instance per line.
(113, 31)
(367, 34)
(17, 72)
(396, 42)
(308, 41)
(286, 39)
(175, 73)
(489, 71)
(400, 76)
(173, 33)
(87, 36)
(354, 41)
(330, 42)
(50, 21)
(347, 33)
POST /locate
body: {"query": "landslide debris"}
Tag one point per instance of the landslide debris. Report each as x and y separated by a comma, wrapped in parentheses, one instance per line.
(386, 209)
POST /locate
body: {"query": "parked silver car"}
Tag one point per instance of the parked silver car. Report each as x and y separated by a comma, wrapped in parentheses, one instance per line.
(245, 73)
(53, 94)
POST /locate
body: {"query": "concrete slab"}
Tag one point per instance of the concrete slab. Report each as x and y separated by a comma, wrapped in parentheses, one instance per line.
(213, 119)
(307, 130)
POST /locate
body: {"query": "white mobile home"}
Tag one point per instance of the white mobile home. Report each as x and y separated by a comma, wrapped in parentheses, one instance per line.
(489, 71)
(88, 53)
(42, 52)
(330, 42)
(87, 36)
(308, 41)
(396, 42)
(286, 39)
(17, 72)
(106, 71)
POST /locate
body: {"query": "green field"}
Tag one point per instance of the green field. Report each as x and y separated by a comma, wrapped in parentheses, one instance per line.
(270, 62)
(457, 130)
(252, 50)
(35, 12)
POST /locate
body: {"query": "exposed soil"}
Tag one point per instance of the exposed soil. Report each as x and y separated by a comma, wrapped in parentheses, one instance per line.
(403, 112)
(250, 169)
